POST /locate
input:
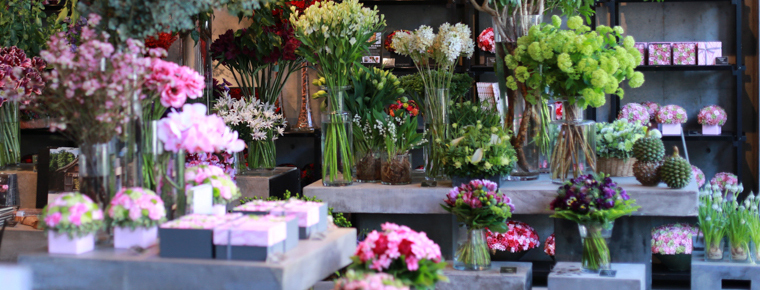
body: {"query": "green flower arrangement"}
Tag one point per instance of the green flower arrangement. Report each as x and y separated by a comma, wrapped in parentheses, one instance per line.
(615, 140)
(479, 152)
(470, 113)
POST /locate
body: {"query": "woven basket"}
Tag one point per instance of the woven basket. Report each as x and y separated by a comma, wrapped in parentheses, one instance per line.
(615, 166)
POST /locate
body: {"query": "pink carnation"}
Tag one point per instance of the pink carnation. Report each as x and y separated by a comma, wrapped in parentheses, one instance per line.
(380, 249)
(53, 219)
(549, 245)
(673, 239)
(519, 237)
(652, 109)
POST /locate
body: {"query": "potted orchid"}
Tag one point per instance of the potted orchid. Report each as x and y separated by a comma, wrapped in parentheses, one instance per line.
(399, 130)
(670, 118)
(712, 118)
(224, 190)
(72, 220)
(614, 146)
(478, 205)
(724, 180)
(479, 153)
(409, 256)
(713, 221)
(354, 280)
(594, 202)
(135, 214)
(672, 245)
(699, 176)
(634, 113)
(514, 243)
(550, 246)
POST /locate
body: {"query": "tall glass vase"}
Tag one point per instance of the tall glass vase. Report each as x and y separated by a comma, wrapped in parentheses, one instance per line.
(304, 123)
(596, 253)
(337, 141)
(96, 174)
(261, 158)
(472, 250)
(526, 127)
(132, 165)
(10, 152)
(437, 126)
(574, 148)
(170, 182)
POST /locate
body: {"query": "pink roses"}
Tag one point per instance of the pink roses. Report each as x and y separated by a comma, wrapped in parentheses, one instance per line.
(136, 207)
(74, 214)
(174, 83)
(224, 189)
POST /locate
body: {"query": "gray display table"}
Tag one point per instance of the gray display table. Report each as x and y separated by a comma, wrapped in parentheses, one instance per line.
(107, 268)
(272, 183)
(522, 279)
(568, 276)
(710, 275)
(20, 240)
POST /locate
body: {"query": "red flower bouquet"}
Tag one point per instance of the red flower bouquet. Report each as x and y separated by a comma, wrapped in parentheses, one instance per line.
(486, 40)
(513, 244)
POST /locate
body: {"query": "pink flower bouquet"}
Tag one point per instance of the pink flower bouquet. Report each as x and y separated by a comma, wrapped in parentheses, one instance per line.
(486, 40)
(634, 113)
(193, 131)
(549, 245)
(368, 281)
(73, 214)
(673, 239)
(136, 208)
(170, 84)
(724, 180)
(652, 109)
(520, 237)
(479, 204)
(698, 175)
(712, 115)
(671, 114)
(224, 189)
(409, 256)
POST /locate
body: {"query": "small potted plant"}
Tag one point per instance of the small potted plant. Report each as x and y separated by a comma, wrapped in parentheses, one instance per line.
(738, 230)
(634, 113)
(614, 146)
(652, 109)
(224, 189)
(71, 221)
(724, 180)
(513, 244)
(478, 205)
(713, 221)
(479, 153)
(354, 280)
(670, 118)
(135, 214)
(672, 245)
(754, 223)
(401, 136)
(712, 118)
(698, 175)
(549, 246)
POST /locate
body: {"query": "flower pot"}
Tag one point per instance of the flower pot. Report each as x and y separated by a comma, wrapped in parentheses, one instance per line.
(740, 251)
(125, 237)
(596, 254)
(396, 170)
(675, 263)
(507, 256)
(61, 243)
(472, 251)
(219, 209)
(671, 129)
(711, 130)
(615, 166)
(459, 180)
(368, 166)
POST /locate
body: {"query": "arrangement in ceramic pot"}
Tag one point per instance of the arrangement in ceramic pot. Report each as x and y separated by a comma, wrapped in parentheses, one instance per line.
(354, 280)
(550, 246)
(409, 256)
(479, 153)
(72, 220)
(634, 113)
(712, 118)
(135, 214)
(724, 180)
(594, 202)
(614, 146)
(513, 244)
(399, 130)
(672, 245)
(224, 190)
(477, 205)
(670, 118)
(713, 221)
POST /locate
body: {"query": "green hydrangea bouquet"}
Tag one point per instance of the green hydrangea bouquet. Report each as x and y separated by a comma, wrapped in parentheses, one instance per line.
(615, 140)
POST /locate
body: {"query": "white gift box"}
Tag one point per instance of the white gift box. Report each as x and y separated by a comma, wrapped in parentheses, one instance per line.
(125, 237)
(219, 209)
(711, 130)
(60, 243)
(670, 129)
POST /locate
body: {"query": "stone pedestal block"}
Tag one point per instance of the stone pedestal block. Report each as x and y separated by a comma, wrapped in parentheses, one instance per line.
(568, 276)
(490, 279)
(15, 277)
(19, 240)
(710, 275)
(275, 183)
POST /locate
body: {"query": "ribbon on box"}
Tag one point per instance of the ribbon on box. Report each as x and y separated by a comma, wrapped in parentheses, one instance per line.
(707, 51)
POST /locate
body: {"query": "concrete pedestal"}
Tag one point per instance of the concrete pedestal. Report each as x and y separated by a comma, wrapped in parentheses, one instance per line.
(568, 276)
(108, 268)
(522, 279)
(272, 183)
(15, 277)
(710, 275)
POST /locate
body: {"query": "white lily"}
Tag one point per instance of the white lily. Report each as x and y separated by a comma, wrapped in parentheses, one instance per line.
(477, 156)
(456, 141)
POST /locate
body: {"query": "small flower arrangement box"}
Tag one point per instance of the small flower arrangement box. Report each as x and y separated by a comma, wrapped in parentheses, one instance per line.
(135, 215)
(224, 190)
(672, 245)
(258, 207)
(251, 238)
(72, 220)
(125, 237)
(712, 118)
(312, 216)
(62, 243)
(191, 236)
(670, 118)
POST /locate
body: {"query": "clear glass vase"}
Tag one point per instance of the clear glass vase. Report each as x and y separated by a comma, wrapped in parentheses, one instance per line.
(437, 126)
(170, 183)
(367, 166)
(714, 249)
(10, 153)
(396, 169)
(526, 128)
(132, 158)
(740, 250)
(96, 172)
(574, 148)
(337, 141)
(596, 253)
(261, 155)
(472, 250)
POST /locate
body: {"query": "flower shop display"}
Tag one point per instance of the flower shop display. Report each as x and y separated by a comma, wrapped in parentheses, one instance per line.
(550, 245)
(675, 170)
(354, 280)
(24, 26)
(444, 50)
(738, 230)
(251, 238)
(191, 236)
(224, 189)
(594, 202)
(135, 214)
(634, 113)
(604, 61)
(477, 205)
(652, 109)
(724, 180)
(468, 113)
(672, 245)
(713, 221)
(614, 147)
(72, 220)
(712, 118)
(336, 49)
(659, 53)
(411, 257)
(642, 48)
(486, 40)
(479, 153)
(20, 83)
(708, 51)
(754, 224)
(514, 243)
(699, 176)
(684, 53)
(670, 118)
(399, 130)
(312, 216)
(259, 124)
(649, 153)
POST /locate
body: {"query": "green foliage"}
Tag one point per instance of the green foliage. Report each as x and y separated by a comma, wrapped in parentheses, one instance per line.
(371, 89)
(479, 151)
(469, 113)
(616, 139)
(60, 159)
(399, 133)
(21, 26)
(427, 275)
(338, 218)
(412, 84)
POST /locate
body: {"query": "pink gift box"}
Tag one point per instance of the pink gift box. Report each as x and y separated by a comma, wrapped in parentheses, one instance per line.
(307, 212)
(219, 209)
(670, 129)
(258, 207)
(60, 243)
(707, 51)
(659, 53)
(642, 47)
(251, 231)
(711, 130)
(125, 237)
(684, 53)
(200, 221)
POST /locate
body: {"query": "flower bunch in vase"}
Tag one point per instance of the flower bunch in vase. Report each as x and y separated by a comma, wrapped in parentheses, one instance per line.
(593, 201)
(614, 146)
(738, 230)
(634, 113)
(579, 75)
(754, 224)
(486, 40)
(699, 176)
(409, 256)
(550, 246)
(713, 221)
(712, 118)
(478, 205)
(672, 245)
(20, 82)
(258, 124)
(479, 153)
(398, 128)
(224, 190)
(670, 117)
(436, 56)
(723, 181)
(72, 220)
(514, 243)
(354, 280)
(135, 214)
(334, 36)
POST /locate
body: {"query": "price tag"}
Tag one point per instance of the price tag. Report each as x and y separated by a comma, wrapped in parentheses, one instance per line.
(203, 199)
(608, 273)
(508, 270)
